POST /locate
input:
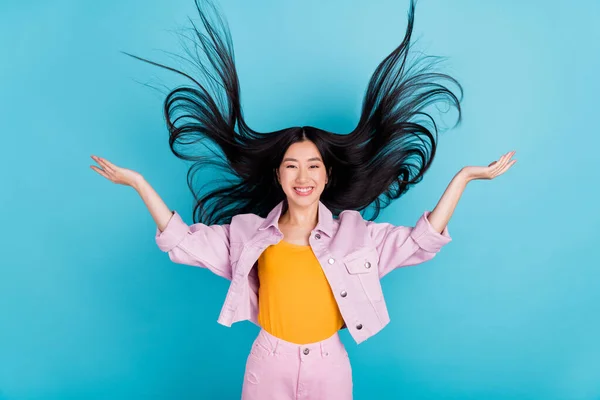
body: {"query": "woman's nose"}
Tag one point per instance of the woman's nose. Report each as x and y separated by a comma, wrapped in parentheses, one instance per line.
(302, 176)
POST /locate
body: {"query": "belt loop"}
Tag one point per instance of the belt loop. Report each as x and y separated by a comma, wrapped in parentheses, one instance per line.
(324, 352)
(275, 347)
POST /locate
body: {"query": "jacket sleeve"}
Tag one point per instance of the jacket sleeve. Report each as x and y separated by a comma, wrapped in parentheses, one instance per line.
(197, 245)
(401, 246)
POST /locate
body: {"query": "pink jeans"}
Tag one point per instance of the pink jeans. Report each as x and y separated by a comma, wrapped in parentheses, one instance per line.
(281, 370)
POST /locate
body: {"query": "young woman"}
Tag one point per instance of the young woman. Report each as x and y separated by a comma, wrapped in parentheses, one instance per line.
(285, 227)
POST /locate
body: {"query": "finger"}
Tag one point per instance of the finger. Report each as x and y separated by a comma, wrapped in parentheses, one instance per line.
(496, 165)
(98, 160)
(509, 158)
(111, 165)
(104, 164)
(506, 167)
(504, 160)
(98, 170)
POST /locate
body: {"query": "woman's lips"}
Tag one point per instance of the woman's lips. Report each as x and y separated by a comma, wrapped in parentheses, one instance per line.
(304, 191)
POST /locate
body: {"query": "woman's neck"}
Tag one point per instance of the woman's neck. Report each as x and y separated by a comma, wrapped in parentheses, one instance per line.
(301, 216)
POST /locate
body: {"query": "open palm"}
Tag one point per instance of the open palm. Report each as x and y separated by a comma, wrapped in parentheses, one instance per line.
(115, 174)
(493, 170)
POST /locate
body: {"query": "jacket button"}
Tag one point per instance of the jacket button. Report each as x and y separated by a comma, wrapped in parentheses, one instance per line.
(359, 327)
(317, 236)
(343, 293)
(367, 265)
(306, 351)
(331, 261)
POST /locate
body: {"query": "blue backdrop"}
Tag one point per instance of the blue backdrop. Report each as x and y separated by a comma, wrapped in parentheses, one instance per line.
(91, 309)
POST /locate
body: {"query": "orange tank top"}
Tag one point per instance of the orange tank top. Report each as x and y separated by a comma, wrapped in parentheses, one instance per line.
(295, 301)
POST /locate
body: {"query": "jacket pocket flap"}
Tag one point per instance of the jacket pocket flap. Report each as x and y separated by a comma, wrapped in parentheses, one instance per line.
(362, 261)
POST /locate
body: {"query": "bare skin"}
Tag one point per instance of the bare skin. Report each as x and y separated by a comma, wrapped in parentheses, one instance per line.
(123, 176)
(302, 167)
(444, 209)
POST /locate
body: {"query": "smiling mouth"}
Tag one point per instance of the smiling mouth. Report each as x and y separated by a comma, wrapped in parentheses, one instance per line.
(304, 191)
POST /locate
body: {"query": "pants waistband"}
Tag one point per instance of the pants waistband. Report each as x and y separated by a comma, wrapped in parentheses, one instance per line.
(325, 348)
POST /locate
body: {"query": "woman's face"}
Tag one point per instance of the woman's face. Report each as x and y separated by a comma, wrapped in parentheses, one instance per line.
(302, 174)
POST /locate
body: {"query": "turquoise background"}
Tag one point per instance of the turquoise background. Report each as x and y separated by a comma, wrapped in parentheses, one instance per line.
(91, 309)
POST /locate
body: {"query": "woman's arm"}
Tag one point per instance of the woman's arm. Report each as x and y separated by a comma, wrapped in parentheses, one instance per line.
(157, 207)
(197, 245)
(400, 246)
(444, 209)
(439, 217)
(127, 177)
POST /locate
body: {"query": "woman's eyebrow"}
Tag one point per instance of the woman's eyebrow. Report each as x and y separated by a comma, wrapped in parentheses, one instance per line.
(310, 159)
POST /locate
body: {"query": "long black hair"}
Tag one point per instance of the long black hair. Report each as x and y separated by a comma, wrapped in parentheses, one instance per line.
(391, 148)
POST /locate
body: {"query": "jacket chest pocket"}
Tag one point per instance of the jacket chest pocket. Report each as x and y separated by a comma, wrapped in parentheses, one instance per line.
(363, 272)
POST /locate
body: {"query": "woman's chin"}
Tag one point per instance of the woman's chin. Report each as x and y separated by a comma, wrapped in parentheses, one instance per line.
(303, 200)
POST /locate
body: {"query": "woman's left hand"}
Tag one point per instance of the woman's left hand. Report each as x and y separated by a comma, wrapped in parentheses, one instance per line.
(493, 170)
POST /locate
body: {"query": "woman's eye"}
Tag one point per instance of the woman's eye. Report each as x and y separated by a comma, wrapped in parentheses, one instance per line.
(312, 166)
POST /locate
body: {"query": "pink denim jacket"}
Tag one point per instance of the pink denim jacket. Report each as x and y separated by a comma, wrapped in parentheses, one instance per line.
(353, 252)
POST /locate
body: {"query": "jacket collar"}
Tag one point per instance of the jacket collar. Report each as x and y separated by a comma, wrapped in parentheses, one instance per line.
(324, 223)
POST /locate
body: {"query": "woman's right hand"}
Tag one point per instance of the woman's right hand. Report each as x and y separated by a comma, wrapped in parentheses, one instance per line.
(122, 176)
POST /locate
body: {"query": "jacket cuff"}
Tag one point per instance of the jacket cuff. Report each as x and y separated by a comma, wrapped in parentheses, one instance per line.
(427, 237)
(173, 233)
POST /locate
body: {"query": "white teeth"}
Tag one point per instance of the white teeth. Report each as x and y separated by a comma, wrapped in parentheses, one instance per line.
(304, 190)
